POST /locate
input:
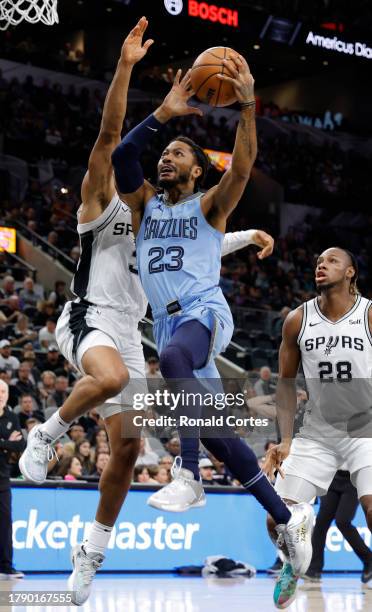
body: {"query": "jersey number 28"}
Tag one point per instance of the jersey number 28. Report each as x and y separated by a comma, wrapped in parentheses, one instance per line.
(341, 370)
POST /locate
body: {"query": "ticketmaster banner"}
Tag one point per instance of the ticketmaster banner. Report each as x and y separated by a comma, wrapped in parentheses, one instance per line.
(47, 522)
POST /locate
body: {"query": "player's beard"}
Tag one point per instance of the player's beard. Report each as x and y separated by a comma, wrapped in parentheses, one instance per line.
(327, 287)
(179, 179)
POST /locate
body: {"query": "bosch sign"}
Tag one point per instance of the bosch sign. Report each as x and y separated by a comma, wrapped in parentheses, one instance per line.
(216, 14)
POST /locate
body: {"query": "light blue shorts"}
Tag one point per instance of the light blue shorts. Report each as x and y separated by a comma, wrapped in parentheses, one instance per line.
(214, 313)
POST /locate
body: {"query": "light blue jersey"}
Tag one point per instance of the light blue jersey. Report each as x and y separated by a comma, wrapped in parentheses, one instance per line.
(179, 261)
(178, 252)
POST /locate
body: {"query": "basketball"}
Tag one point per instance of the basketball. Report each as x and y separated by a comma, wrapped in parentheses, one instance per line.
(205, 82)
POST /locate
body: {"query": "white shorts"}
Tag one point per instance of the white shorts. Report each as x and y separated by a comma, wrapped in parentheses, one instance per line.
(82, 326)
(317, 462)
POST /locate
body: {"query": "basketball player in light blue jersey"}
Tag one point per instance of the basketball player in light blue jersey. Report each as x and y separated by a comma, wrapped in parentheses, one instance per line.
(179, 235)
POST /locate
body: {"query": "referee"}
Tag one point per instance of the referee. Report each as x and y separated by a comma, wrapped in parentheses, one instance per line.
(11, 440)
(340, 503)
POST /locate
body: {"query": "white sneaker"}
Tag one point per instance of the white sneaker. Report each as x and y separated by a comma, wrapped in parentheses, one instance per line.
(34, 461)
(297, 536)
(183, 493)
(85, 566)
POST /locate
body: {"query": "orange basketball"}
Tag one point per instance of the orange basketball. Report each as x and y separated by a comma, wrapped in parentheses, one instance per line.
(207, 86)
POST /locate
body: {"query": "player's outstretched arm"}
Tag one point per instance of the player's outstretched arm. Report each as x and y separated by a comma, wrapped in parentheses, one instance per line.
(233, 241)
(98, 185)
(286, 395)
(223, 198)
(128, 171)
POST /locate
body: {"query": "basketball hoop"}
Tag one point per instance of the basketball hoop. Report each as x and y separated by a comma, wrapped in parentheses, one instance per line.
(12, 12)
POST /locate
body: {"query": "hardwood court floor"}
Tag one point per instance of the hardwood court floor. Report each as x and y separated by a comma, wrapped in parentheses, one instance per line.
(168, 593)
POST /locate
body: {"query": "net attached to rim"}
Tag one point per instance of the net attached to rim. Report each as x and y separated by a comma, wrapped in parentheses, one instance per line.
(12, 12)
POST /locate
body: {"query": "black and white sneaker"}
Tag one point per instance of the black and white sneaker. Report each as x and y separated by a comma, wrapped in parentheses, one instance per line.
(13, 574)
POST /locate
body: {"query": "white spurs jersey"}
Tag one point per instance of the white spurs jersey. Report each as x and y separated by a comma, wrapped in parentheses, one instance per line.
(337, 363)
(106, 274)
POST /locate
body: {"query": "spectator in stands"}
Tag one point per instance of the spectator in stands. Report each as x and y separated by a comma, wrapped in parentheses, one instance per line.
(75, 433)
(58, 296)
(102, 447)
(70, 468)
(141, 474)
(26, 410)
(146, 456)
(8, 288)
(206, 472)
(29, 357)
(173, 447)
(61, 390)
(278, 321)
(47, 334)
(82, 452)
(159, 474)
(166, 461)
(101, 462)
(152, 368)
(21, 333)
(28, 294)
(53, 240)
(46, 310)
(54, 359)
(265, 385)
(7, 360)
(23, 384)
(47, 387)
(99, 436)
(11, 308)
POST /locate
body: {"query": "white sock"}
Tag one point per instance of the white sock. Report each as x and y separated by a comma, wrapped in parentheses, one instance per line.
(54, 427)
(98, 538)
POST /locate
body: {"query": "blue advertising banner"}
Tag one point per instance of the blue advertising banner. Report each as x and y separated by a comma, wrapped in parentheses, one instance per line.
(48, 521)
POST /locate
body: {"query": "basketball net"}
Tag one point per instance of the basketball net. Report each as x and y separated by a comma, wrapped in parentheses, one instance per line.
(12, 12)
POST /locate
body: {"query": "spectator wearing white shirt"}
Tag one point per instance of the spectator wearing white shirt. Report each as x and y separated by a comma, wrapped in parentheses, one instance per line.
(7, 360)
(47, 334)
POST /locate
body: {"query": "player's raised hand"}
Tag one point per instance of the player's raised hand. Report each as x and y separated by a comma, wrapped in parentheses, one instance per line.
(274, 458)
(175, 102)
(265, 241)
(241, 79)
(133, 50)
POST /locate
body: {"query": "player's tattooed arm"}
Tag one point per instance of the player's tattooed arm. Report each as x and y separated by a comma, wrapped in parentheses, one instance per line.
(221, 200)
(286, 394)
(98, 185)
